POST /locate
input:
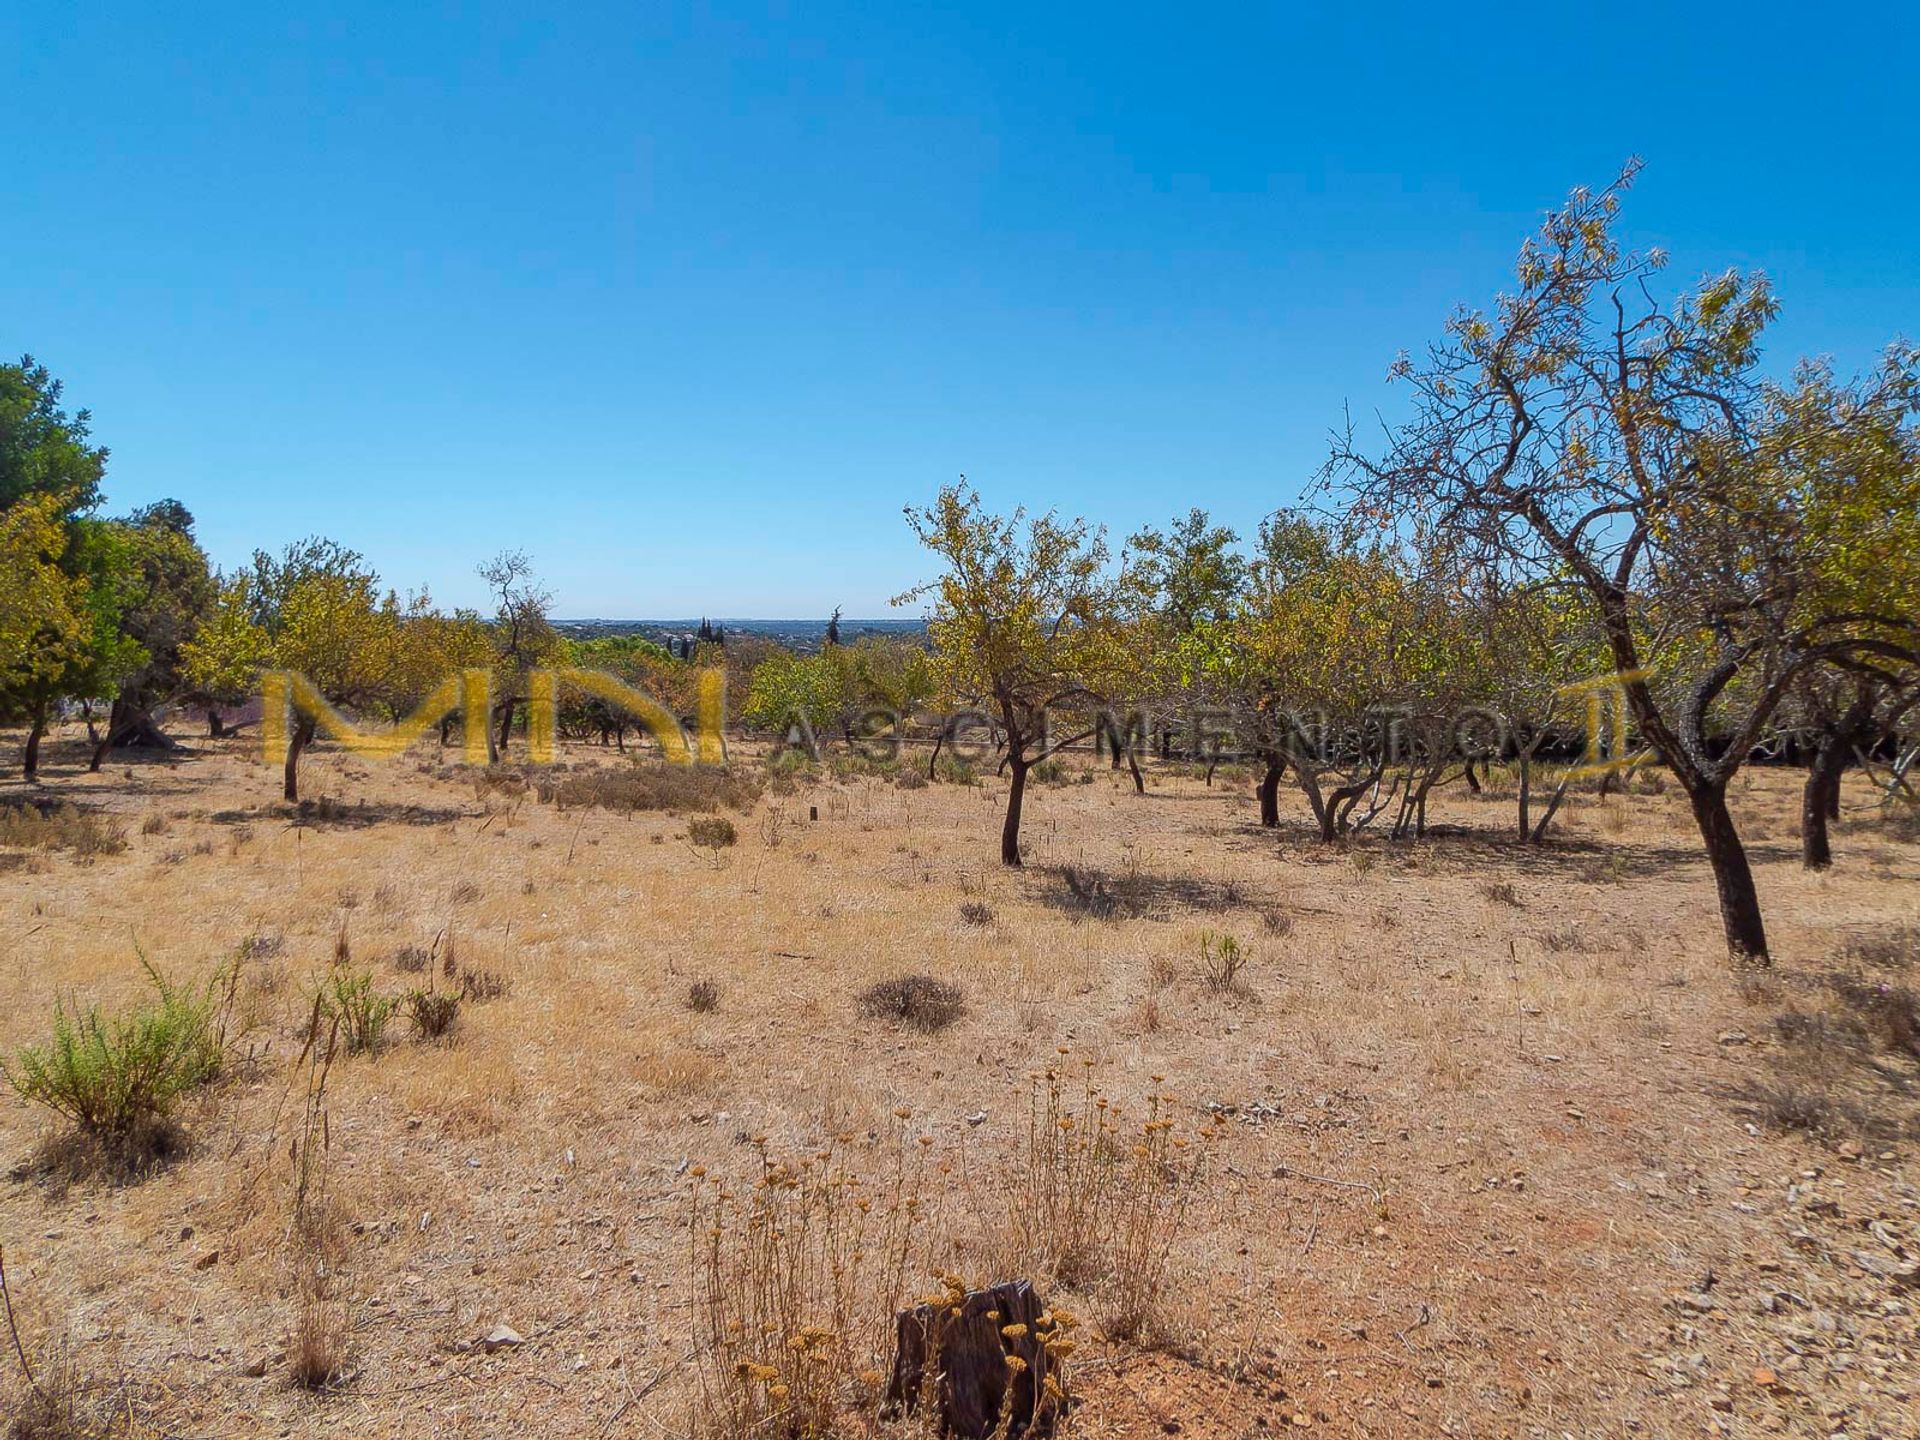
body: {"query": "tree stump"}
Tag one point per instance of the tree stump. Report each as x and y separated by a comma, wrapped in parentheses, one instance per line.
(961, 1357)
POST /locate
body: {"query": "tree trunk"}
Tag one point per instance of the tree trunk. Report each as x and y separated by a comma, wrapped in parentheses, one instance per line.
(1016, 792)
(30, 759)
(1816, 803)
(1732, 875)
(302, 736)
(505, 729)
(1269, 792)
(1473, 780)
(1820, 802)
(216, 727)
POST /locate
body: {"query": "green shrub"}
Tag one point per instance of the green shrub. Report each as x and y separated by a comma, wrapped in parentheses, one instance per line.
(347, 997)
(952, 770)
(118, 1078)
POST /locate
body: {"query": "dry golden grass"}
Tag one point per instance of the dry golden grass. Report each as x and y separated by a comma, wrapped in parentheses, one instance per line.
(1475, 1121)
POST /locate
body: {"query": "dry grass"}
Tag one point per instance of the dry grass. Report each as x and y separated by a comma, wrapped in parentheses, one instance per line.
(37, 825)
(527, 1175)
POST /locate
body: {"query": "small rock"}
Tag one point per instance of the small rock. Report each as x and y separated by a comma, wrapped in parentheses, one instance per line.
(501, 1337)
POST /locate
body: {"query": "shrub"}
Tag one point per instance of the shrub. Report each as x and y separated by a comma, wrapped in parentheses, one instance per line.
(917, 1000)
(703, 996)
(30, 826)
(657, 785)
(952, 770)
(432, 1013)
(910, 777)
(317, 1353)
(1501, 892)
(411, 960)
(1890, 1014)
(712, 832)
(480, 986)
(1894, 949)
(154, 824)
(348, 998)
(118, 1078)
(797, 1278)
(1221, 961)
(1050, 772)
(63, 1402)
(976, 912)
(1097, 1200)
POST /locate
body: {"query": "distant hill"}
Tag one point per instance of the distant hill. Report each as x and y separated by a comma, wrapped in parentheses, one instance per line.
(802, 635)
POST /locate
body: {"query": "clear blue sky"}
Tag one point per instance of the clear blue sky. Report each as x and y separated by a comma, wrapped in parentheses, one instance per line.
(689, 302)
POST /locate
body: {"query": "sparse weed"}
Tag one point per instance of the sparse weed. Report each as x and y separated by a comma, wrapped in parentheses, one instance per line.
(1221, 961)
(703, 997)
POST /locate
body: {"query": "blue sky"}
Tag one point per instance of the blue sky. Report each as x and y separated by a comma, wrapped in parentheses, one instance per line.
(688, 302)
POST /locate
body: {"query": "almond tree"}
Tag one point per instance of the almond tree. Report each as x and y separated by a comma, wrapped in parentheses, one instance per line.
(1586, 433)
(1023, 623)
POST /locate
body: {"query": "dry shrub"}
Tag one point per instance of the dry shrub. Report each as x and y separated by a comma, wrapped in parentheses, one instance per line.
(1560, 942)
(412, 959)
(1278, 923)
(1897, 948)
(154, 824)
(976, 912)
(1097, 1199)
(917, 1000)
(31, 825)
(432, 1013)
(480, 986)
(262, 947)
(712, 832)
(1162, 971)
(316, 1238)
(703, 997)
(1889, 1015)
(1501, 892)
(657, 785)
(64, 1402)
(678, 1073)
(317, 1349)
(910, 778)
(798, 1274)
